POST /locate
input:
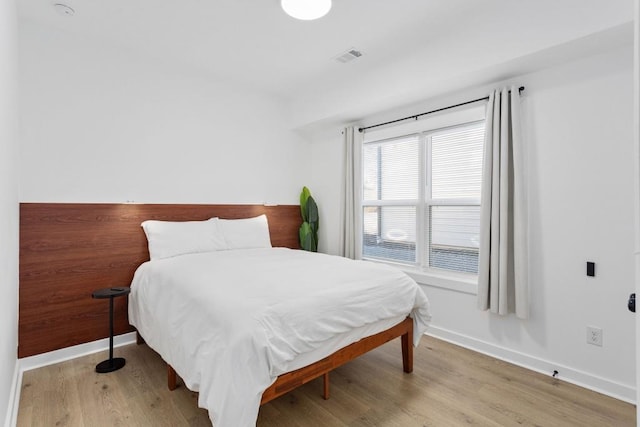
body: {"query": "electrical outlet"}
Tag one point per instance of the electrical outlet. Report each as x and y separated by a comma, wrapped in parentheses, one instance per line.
(594, 335)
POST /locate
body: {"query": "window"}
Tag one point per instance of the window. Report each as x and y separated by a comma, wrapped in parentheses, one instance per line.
(421, 198)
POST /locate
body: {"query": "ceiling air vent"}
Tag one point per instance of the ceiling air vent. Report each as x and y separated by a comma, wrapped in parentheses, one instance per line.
(348, 56)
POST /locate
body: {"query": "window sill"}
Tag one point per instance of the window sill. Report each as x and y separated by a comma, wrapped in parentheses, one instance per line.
(455, 282)
(460, 282)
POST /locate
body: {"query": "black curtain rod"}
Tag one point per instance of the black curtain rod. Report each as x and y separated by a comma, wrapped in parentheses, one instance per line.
(486, 98)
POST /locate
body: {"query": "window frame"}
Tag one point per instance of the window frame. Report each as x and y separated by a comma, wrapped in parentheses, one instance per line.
(421, 270)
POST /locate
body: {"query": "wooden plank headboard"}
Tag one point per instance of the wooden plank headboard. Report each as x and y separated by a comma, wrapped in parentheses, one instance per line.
(69, 250)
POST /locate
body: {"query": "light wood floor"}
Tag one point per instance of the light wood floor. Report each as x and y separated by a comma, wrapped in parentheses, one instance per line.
(450, 386)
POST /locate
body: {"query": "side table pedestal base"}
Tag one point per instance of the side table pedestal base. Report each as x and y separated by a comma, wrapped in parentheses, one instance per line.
(110, 365)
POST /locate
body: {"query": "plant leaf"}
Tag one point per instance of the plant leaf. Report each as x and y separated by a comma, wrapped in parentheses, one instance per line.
(312, 211)
(308, 233)
(306, 237)
(314, 243)
(304, 195)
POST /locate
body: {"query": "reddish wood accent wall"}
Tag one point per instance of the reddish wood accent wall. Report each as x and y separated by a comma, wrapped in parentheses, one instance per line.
(69, 250)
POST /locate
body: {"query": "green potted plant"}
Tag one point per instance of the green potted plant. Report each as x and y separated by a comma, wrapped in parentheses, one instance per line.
(311, 221)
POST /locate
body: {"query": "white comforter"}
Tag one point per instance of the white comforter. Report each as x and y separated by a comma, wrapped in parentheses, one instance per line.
(229, 322)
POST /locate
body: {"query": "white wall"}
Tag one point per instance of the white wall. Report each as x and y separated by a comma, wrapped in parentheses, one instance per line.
(579, 121)
(102, 124)
(8, 207)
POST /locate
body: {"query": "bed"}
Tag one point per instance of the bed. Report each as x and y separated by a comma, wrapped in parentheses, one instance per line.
(242, 322)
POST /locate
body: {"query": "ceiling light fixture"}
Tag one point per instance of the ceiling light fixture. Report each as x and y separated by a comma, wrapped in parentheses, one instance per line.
(306, 10)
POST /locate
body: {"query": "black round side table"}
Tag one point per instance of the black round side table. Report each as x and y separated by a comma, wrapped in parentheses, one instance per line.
(111, 364)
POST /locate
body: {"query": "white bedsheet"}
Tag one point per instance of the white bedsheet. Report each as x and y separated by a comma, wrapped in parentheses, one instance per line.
(230, 322)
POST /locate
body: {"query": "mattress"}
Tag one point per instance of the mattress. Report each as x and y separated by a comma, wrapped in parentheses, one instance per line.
(230, 322)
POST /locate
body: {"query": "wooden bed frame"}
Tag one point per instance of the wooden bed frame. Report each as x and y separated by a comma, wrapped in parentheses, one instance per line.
(67, 250)
(291, 380)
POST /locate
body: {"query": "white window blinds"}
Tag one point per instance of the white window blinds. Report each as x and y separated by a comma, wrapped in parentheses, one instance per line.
(421, 198)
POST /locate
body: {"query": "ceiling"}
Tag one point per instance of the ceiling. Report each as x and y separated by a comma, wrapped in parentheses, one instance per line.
(413, 49)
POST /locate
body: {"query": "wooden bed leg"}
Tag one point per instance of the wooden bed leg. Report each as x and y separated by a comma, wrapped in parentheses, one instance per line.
(325, 391)
(139, 339)
(407, 351)
(172, 381)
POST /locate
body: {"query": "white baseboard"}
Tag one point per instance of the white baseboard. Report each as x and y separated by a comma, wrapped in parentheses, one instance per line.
(580, 378)
(14, 397)
(52, 357)
(64, 354)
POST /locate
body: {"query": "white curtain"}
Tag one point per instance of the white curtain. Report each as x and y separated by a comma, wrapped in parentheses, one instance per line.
(350, 225)
(502, 270)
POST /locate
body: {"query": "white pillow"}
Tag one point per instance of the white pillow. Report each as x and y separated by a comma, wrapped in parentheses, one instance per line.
(246, 233)
(168, 238)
